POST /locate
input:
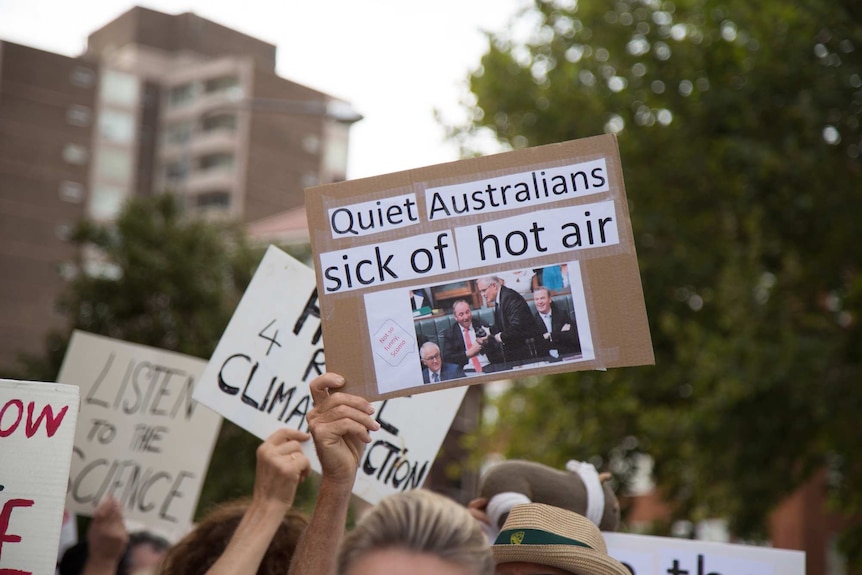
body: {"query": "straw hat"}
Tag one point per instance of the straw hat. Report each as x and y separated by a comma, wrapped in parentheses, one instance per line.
(554, 537)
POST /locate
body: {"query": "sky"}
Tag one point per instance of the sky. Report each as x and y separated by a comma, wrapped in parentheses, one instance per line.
(395, 61)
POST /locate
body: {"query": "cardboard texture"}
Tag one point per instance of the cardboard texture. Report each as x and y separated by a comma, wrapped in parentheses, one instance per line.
(140, 438)
(649, 555)
(37, 426)
(437, 230)
(259, 373)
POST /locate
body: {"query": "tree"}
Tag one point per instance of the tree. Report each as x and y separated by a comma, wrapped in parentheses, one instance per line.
(156, 277)
(739, 132)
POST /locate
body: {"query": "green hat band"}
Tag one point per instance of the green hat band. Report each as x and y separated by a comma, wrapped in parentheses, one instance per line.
(534, 537)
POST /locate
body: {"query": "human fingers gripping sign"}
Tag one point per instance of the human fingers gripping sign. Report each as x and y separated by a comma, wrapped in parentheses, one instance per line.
(320, 386)
(288, 449)
(281, 466)
(340, 425)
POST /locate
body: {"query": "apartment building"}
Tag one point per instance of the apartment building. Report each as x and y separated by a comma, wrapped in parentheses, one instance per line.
(157, 103)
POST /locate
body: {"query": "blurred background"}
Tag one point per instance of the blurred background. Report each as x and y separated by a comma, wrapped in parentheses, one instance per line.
(149, 153)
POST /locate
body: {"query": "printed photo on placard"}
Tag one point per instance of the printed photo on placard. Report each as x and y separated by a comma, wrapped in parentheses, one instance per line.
(510, 320)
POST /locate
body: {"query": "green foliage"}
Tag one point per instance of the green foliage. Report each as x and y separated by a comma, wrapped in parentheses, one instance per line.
(170, 282)
(175, 282)
(739, 131)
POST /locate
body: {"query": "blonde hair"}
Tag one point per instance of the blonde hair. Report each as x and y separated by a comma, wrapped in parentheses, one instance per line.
(423, 522)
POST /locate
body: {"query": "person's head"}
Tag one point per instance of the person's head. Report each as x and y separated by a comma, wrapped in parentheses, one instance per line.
(430, 354)
(488, 287)
(542, 299)
(463, 314)
(538, 538)
(145, 550)
(198, 550)
(419, 530)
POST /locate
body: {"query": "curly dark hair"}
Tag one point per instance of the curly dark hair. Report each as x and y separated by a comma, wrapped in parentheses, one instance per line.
(197, 551)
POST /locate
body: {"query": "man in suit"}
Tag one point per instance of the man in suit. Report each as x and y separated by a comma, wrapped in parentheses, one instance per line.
(559, 329)
(467, 342)
(514, 326)
(435, 370)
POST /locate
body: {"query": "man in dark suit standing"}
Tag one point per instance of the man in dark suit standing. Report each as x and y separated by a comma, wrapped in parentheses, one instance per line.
(435, 370)
(467, 342)
(559, 330)
(514, 326)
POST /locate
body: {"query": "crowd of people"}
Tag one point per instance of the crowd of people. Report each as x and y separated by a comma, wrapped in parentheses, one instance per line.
(417, 532)
(517, 334)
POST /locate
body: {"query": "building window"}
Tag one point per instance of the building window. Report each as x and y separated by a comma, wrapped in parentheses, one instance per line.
(178, 133)
(219, 122)
(181, 95)
(311, 143)
(106, 202)
(82, 77)
(177, 170)
(335, 153)
(67, 270)
(75, 154)
(213, 200)
(114, 165)
(71, 192)
(215, 161)
(119, 88)
(78, 116)
(116, 126)
(63, 231)
(222, 84)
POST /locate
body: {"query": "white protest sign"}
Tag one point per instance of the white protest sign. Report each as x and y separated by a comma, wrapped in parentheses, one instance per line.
(272, 348)
(141, 438)
(647, 555)
(37, 426)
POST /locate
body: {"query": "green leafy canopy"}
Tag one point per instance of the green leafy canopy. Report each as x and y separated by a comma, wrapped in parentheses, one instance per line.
(739, 132)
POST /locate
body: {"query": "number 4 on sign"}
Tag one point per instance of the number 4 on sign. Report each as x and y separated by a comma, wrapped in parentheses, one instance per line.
(272, 341)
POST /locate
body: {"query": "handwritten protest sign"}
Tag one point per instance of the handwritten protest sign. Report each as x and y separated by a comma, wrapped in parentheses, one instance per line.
(37, 425)
(553, 216)
(141, 438)
(272, 348)
(647, 555)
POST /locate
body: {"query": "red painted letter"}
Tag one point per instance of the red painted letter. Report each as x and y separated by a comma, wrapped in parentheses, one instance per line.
(51, 422)
(4, 526)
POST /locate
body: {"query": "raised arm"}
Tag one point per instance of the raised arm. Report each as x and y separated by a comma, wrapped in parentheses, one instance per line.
(340, 425)
(280, 467)
(106, 539)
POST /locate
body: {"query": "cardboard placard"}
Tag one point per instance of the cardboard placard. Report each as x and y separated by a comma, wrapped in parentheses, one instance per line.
(141, 438)
(272, 348)
(557, 211)
(37, 426)
(648, 555)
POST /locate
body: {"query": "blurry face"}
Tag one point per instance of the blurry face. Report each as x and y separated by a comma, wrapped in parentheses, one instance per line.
(431, 358)
(488, 291)
(463, 315)
(542, 301)
(403, 562)
(528, 569)
(143, 556)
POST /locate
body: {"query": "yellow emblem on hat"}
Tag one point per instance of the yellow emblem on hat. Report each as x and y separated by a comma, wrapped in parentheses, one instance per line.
(517, 538)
